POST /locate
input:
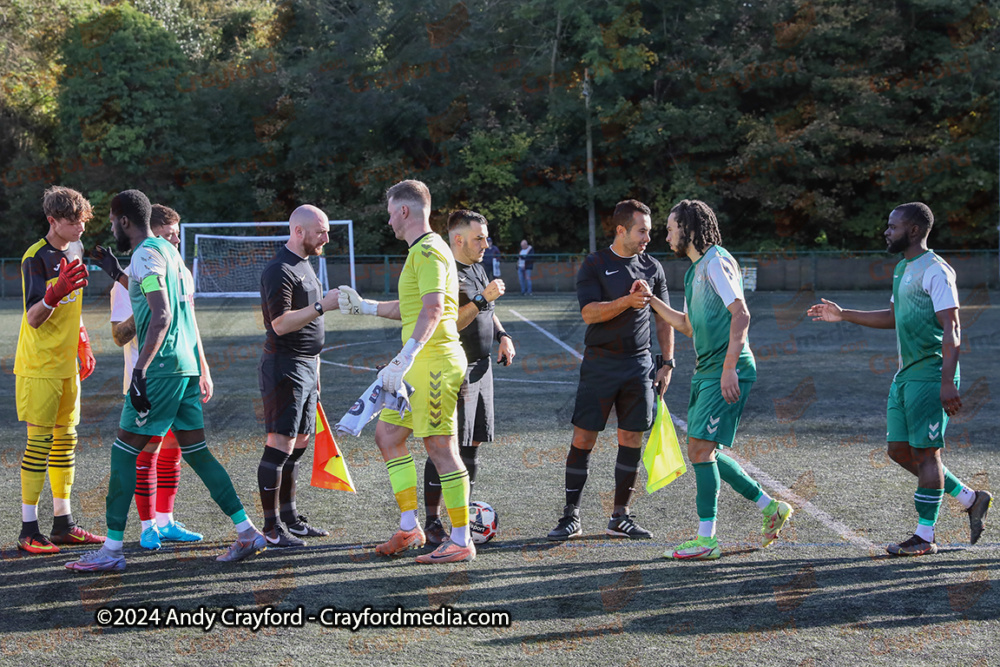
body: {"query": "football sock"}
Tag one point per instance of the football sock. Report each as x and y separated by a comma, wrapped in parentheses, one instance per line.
(766, 503)
(113, 546)
(269, 481)
(577, 465)
(29, 512)
(928, 503)
(34, 462)
(242, 522)
(145, 485)
(468, 456)
(168, 478)
(706, 528)
(29, 528)
(954, 487)
(432, 489)
(120, 488)
(455, 490)
(286, 494)
(213, 476)
(733, 474)
(626, 469)
(403, 478)
(62, 523)
(966, 496)
(706, 476)
(62, 466)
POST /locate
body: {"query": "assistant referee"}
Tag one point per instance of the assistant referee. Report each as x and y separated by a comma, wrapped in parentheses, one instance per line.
(614, 287)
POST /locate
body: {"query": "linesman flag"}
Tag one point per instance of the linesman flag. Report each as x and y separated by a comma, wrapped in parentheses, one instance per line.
(662, 458)
(329, 467)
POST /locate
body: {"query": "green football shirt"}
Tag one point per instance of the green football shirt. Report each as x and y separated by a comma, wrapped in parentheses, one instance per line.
(921, 287)
(156, 266)
(711, 285)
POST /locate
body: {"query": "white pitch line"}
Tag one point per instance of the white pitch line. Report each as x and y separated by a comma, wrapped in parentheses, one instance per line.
(360, 368)
(496, 379)
(337, 347)
(822, 516)
(548, 335)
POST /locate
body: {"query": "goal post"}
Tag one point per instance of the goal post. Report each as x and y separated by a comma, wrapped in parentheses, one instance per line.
(228, 258)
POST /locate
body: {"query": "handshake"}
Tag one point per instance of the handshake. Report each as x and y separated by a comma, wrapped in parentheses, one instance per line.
(351, 303)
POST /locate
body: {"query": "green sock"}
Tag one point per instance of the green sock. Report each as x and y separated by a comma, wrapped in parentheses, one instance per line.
(403, 478)
(952, 485)
(455, 491)
(706, 476)
(733, 474)
(928, 502)
(213, 476)
(121, 488)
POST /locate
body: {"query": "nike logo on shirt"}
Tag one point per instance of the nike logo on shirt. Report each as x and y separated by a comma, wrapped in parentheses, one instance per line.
(611, 273)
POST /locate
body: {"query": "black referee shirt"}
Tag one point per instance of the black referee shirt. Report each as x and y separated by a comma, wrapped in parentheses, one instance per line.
(477, 338)
(288, 282)
(604, 276)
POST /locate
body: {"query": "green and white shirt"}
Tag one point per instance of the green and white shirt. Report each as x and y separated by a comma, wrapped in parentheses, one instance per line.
(922, 287)
(711, 285)
(156, 266)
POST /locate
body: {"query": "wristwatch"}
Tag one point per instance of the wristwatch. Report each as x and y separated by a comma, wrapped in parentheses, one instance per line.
(481, 302)
(319, 307)
(661, 362)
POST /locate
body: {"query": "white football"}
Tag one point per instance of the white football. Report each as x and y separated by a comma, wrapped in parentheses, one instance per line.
(483, 522)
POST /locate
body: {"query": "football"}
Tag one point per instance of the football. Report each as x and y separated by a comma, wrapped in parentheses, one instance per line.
(483, 522)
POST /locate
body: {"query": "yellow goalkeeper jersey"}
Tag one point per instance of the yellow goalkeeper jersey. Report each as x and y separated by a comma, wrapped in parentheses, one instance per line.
(429, 267)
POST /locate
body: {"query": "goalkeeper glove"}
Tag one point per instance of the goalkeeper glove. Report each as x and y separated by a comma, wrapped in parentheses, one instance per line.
(72, 276)
(108, 262)
(351, 303)
(392, 375)
(137, 392)
(86, 354)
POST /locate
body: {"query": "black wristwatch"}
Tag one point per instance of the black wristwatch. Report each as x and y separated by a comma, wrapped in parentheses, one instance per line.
(661, 362)
(481, 302)
(319, 307)
(500, 335)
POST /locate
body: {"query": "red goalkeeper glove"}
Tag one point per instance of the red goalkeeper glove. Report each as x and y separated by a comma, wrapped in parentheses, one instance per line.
(72, 276)
(87, 361)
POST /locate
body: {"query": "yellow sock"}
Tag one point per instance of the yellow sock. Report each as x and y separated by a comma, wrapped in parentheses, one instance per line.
(403, 477)
(62, 461)
(34, 462)
(455, 491)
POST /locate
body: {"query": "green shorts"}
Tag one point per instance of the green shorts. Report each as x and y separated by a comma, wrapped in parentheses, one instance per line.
(710, 417)
(176, 402)
(914, 414)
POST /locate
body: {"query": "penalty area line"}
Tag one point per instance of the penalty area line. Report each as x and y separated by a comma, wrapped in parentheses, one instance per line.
(547, 334)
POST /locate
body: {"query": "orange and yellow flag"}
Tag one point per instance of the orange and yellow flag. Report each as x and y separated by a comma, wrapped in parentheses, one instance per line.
(329, 467)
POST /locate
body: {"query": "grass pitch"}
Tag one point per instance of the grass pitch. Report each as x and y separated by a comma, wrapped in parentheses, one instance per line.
(814, 426)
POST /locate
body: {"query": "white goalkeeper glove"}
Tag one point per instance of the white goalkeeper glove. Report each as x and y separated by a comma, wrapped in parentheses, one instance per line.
(392, 375)
(351, 303)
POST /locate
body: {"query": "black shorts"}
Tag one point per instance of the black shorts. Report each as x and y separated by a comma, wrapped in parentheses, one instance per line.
(475, 404)
(288, 388)
(622, 382)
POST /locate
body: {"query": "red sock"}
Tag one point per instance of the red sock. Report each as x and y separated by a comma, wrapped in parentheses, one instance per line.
(168, 471)
(145, 484)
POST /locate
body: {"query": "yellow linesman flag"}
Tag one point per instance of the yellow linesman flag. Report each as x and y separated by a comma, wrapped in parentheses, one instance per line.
(662, 458)
(329, 467)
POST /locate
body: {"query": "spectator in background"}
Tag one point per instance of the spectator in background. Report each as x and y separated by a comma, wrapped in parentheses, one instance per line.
(492, 259)
(525, 262)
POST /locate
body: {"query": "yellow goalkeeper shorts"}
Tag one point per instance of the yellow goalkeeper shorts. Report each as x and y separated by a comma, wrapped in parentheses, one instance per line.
(48, 401)
(436, 376)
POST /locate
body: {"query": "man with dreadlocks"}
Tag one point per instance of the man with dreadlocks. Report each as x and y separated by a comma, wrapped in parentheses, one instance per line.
(716, 318)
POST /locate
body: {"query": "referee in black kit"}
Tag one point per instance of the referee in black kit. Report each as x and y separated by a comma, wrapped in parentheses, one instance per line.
(478, 328)
(292, 302)
(614, 287)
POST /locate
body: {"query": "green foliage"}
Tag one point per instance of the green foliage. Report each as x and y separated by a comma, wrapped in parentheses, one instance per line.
(801, 123)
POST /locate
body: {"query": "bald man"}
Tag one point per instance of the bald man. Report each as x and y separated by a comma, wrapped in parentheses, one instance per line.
(292, 302)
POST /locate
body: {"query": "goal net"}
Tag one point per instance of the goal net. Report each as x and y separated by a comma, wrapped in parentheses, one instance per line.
(230, 264)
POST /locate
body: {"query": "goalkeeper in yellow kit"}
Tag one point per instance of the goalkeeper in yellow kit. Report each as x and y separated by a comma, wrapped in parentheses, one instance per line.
(433, 362)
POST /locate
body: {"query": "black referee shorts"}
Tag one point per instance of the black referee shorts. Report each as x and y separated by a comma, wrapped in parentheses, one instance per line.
(475, 404)
(288, 387)
(622, 382)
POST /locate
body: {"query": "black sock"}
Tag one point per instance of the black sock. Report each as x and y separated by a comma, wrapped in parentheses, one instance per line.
(577, 468)
(286, 494)
(60, 524)
(468, 455)
(29, 528)
(626, 470)
(432, 489)
(268, 481)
